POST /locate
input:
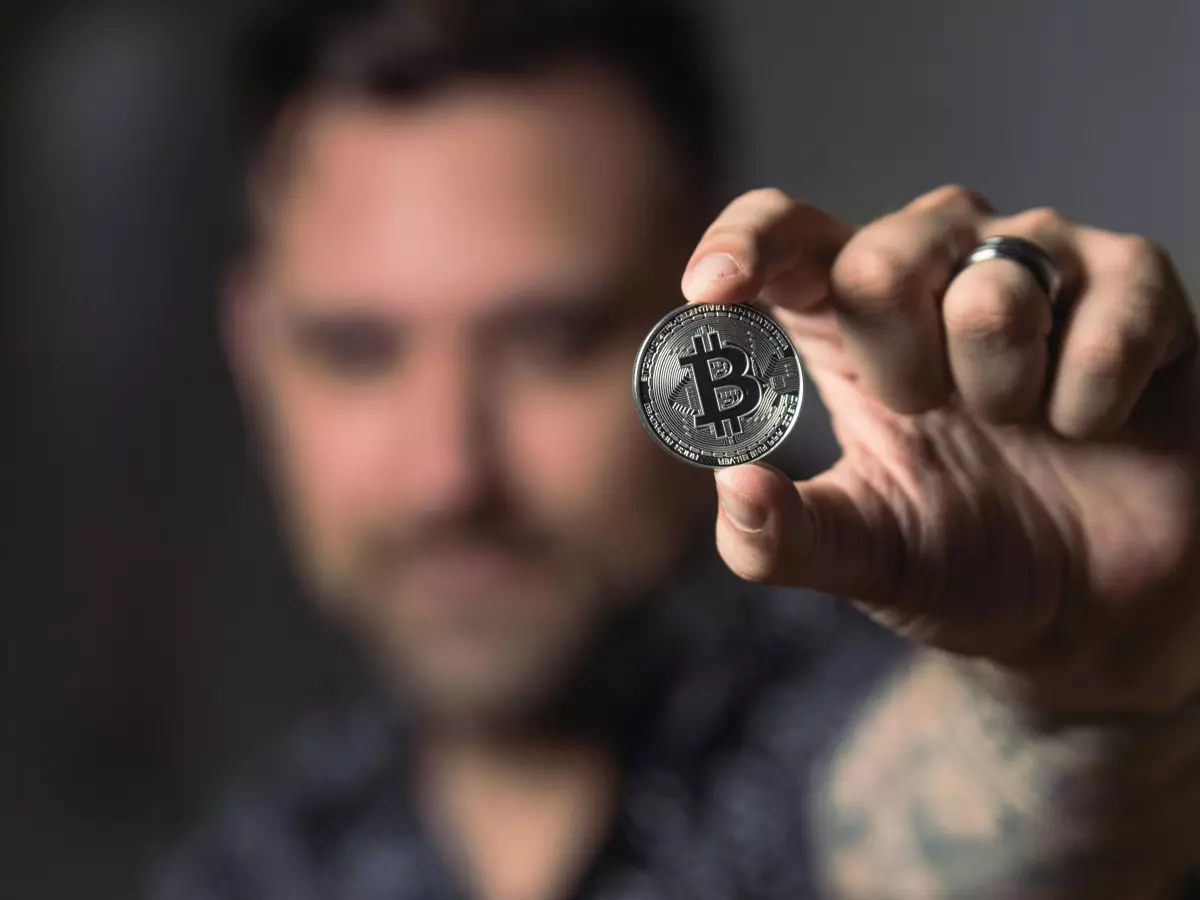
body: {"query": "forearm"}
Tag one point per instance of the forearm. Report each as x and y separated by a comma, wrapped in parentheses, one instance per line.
(940, 790)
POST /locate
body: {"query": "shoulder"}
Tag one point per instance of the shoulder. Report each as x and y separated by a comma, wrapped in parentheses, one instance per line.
(286, 811)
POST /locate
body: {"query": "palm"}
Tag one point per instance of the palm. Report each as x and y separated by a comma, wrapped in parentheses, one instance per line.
(995, 539)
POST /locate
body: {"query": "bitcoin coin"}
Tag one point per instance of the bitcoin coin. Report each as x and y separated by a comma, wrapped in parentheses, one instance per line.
(718, 385)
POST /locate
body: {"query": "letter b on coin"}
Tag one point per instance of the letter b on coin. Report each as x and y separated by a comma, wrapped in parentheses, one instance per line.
(715, 384)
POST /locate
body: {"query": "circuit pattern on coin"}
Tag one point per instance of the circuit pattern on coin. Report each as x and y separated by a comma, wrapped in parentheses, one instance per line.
(718, 385)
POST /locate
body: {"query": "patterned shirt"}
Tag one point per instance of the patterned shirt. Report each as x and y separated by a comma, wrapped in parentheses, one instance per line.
(751, 689)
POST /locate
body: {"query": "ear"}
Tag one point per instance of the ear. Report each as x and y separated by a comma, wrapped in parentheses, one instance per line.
(243, 331)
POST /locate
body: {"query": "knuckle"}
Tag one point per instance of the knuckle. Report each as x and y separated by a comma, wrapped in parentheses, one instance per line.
(871, 278)
(757, 207)
(952, 196)
(771, 197)
(1040, 220)
(993, 313)
(1137, 257)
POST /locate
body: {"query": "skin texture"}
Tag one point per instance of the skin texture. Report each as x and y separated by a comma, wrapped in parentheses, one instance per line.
(1021, 486)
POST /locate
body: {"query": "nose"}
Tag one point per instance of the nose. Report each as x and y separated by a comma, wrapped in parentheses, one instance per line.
(449, 464)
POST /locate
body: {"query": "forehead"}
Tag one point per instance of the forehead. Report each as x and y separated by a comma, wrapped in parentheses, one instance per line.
(480, 184)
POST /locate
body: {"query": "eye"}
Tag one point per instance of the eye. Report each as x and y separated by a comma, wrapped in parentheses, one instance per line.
(348, 346)
(557, 338)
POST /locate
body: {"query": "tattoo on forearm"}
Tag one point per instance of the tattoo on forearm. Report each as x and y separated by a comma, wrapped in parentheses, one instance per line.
(942, 791)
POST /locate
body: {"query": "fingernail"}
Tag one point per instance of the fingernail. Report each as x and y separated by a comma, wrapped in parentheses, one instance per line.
(743, 512)
(711, 268)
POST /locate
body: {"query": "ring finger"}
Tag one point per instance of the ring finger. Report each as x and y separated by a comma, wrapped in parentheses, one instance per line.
(998, 320)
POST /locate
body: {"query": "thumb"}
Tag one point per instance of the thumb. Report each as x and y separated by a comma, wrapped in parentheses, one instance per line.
(814, 534)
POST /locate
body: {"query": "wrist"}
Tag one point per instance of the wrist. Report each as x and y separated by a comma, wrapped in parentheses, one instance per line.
(1083, 690)
(989, 702)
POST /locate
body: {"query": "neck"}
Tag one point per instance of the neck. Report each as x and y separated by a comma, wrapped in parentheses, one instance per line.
(521, 815)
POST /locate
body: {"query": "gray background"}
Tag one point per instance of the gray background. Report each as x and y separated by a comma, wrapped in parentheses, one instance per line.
(151, 633)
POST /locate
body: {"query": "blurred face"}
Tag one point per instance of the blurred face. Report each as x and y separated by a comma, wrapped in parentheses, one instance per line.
(438, 335)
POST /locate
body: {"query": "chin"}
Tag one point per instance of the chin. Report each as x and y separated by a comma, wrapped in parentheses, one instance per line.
(492, 706)
(497, 680)
(511, 658)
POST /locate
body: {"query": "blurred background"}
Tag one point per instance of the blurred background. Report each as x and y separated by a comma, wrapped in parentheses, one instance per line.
(151, 634)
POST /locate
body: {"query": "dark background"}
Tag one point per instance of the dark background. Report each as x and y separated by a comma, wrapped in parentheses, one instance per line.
(150, 633)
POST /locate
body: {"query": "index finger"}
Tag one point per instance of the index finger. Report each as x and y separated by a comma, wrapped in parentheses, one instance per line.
(765, 244)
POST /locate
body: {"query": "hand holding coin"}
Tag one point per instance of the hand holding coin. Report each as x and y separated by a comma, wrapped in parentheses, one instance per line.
(1020, 426)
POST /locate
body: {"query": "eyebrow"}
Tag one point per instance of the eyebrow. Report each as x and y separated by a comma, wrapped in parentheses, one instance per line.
(309, 328)
(597, 305)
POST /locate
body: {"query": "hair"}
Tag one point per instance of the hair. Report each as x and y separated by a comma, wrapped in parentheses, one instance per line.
(398, 50)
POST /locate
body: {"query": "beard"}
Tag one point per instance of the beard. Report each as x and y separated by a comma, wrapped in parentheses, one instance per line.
(491, 621)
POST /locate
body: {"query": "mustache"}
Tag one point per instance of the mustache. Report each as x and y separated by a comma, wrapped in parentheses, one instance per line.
(391, 545)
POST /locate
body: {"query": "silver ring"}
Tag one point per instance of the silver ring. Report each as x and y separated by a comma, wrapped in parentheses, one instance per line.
(1030, 256)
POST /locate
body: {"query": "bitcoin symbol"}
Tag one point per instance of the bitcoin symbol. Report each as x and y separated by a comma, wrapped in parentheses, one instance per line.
(726, 388)
(718, 385)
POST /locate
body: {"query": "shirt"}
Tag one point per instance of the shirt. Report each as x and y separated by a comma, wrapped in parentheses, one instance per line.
(750, 690)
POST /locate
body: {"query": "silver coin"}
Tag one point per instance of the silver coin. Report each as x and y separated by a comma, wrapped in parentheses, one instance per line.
(718, 385)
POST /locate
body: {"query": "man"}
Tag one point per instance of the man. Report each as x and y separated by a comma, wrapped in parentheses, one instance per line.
(465, 216)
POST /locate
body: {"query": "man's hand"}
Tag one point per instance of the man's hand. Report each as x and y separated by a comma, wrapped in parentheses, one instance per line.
(1020, 482)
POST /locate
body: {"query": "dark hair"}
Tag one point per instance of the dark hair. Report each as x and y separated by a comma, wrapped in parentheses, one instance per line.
(398, 49)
